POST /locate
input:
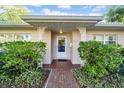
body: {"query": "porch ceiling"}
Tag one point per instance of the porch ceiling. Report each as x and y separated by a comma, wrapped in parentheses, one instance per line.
(55, 26)
(67, 23)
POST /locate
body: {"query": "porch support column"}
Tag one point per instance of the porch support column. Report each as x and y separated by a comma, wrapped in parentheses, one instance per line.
(45, 36)
(82, 33)
(40, 33)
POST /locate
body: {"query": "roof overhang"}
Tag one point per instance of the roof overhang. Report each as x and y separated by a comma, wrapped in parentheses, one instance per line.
(38, 20)
(64, 22)
(61, 18)
(15, 25)
(110, 26)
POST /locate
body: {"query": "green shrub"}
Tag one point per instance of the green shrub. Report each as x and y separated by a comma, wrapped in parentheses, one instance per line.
(101, 65)
(109, 81)
(121, 67)
(28, 79)
(100, 59)
(122, 52)
(20, 56)
(19, 64)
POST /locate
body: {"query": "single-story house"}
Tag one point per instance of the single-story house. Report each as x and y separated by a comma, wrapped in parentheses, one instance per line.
(62, 34)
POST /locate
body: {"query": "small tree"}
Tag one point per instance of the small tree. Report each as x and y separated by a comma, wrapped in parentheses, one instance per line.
(11, 13)
(115, 14)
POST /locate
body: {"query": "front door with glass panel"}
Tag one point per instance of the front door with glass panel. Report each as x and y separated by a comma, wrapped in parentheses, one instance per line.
(61, 47)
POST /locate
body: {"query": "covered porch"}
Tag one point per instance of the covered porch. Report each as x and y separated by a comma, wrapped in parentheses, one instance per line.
(62, 42)
(62, 36)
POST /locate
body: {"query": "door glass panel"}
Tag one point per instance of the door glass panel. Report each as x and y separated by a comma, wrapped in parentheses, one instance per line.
(61, 44)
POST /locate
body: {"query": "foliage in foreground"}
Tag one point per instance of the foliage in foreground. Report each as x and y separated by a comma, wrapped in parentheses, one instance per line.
(108, 81)
(101, 65)
(28, 79)
(19, 63)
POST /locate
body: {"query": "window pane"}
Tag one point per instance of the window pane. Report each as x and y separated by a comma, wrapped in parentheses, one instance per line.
(99, 38)
(110, 42)
(2, 38)
(22, 37)
(106, 38)
(61, 45)
(27, 37)
(110, 39)
(14, 37)
(18, 37)
(8, 37)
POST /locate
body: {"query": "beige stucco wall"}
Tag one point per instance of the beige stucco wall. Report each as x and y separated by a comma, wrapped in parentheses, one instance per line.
(34, 34)
(45, 35)
(73, 37)
(47, 38)
(75, 44)
(119, 34)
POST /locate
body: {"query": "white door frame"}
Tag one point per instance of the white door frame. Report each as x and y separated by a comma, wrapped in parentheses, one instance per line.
(61, 55)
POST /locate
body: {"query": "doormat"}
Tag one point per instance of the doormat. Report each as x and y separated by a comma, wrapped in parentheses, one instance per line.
(63, 60)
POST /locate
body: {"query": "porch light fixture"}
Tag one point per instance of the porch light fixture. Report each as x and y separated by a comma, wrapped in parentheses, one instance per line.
(60, 31)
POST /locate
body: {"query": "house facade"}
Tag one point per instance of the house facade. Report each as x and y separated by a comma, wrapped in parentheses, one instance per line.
(62, 34)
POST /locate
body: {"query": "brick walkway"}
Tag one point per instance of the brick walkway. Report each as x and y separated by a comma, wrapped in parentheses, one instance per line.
(61, 76)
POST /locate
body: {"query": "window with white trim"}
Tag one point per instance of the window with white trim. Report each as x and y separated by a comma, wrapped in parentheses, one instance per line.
(7, 37)
(106, 39)
(110, 39)
(22, 37)
(99, 38)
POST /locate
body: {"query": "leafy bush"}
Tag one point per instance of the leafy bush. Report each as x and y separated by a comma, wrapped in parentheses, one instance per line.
(109, 81)
(121, 67)
(122, 52)
(19, 63)
(21, 56)
(33, 78)
(101, 65)
(100, 59)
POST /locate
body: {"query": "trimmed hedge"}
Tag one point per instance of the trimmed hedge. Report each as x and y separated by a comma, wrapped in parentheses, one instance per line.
(101, 64)
(100, 59)
(19, 58)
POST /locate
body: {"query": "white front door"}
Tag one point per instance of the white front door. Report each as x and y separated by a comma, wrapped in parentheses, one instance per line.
(61, 47)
